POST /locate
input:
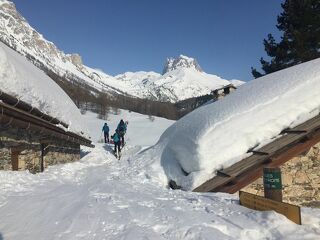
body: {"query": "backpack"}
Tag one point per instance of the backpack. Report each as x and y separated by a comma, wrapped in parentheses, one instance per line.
(115, 137)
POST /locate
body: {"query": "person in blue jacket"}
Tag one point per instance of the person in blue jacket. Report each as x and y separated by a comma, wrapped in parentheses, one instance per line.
(105, 130)
(116, 141)
(122, 129)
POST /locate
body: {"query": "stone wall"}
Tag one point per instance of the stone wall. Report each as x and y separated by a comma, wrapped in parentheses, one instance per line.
(23, 154)
(58, 156)
(5, 159)
(30, 159)
(300, 180)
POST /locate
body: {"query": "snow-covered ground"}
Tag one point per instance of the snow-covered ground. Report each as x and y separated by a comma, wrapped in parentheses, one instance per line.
(101, 197)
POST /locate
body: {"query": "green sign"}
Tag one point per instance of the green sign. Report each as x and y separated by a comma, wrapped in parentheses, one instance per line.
(272, 180)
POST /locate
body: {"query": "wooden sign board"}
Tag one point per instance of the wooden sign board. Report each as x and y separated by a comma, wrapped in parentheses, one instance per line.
(255, 202)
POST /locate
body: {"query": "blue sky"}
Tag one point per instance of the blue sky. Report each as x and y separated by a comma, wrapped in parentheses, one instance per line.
(132, 35)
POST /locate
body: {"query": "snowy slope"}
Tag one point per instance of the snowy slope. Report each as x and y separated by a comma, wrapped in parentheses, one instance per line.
(16, 32)
(101, 197)
(219, 134)
(186, 76)
(23, 80)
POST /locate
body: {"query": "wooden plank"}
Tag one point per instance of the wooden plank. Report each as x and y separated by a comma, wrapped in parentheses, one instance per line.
(234, 170)
(281, 143)
(291, 131)
(247, 164)
(312, 123)
(212, 184)
(276, 146)
(258, 152)
(15, 161)
(222, 173)
(255, 202)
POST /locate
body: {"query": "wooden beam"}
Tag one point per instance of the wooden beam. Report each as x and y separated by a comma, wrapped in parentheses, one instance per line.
(222, 173)
(291, 131)
(258, 152)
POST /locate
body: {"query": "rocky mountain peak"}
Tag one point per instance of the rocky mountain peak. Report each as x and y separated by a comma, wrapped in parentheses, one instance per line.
(181, 62)
(16, 32)
(75, 58)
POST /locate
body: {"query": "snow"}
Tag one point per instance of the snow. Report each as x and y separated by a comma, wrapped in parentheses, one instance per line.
(100, 197)
(219, 134)
(141, 128)
(186, 83)
(177, 84)
(236, 82)
(20, 78)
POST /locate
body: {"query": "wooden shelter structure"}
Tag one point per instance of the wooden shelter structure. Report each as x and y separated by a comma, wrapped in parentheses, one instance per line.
(223, 91)
(290, 143)
(40, 139)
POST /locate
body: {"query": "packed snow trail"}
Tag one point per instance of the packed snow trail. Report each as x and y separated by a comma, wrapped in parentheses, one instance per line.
(100, 197)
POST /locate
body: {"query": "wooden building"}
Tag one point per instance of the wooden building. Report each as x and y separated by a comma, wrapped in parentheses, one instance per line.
(223, 91)
(296, 151)
(30, 139)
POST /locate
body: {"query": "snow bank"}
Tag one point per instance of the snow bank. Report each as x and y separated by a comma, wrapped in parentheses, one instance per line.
(217, 135)
(23, 80)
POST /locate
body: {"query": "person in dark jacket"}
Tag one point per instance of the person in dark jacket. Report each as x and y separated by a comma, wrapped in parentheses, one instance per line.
(105, 130)
(122, 129)
(116, 141)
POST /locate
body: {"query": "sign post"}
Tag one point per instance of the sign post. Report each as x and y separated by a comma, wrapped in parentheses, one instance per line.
(259, 203)
(272, 183)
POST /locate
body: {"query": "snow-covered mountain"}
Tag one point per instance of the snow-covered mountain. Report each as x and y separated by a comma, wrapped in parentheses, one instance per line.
(16, 32)
(182, 77)
(181, 62)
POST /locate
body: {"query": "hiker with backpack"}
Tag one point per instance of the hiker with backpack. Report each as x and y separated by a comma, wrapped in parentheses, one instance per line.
(117, 143)
(122, 128)
(105, 130)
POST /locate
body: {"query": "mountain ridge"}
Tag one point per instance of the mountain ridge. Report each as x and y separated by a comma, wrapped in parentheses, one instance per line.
(180, 79)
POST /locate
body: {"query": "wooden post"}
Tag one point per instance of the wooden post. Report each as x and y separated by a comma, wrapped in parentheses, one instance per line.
(272, 183)
(15, 159)
(43, 146)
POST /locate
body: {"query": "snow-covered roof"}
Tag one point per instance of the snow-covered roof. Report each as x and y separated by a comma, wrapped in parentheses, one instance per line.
(217, 135)
(20, 78)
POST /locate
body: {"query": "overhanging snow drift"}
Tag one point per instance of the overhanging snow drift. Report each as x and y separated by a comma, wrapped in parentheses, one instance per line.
(218, 135)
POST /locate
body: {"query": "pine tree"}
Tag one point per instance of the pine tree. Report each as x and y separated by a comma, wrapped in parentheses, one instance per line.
(300, 24)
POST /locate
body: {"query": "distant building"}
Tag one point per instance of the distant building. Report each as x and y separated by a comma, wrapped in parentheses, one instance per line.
(223, 91)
